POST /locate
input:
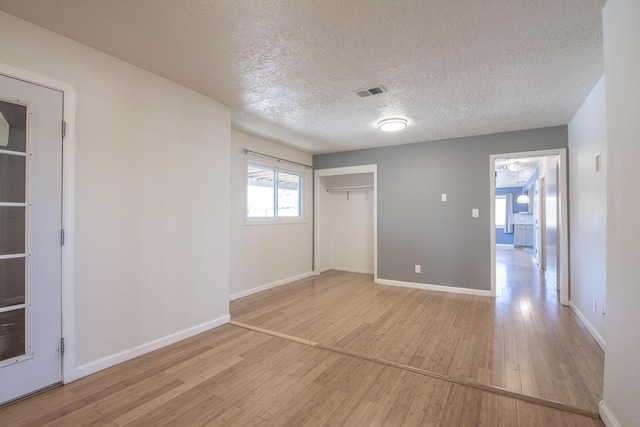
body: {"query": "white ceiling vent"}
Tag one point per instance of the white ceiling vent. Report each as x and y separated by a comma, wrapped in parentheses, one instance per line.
(371, 91)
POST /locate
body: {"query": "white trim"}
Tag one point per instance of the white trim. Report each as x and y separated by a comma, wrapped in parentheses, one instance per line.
(563, 222)
(504, 245)
(596, 336)
(123, 356)
(607, 416)
(68, 177)
(268, 286)
(438, 288)
(349, 170)
(348, 270)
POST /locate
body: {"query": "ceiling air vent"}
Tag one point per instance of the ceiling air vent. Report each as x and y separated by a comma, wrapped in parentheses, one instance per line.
(371, 91)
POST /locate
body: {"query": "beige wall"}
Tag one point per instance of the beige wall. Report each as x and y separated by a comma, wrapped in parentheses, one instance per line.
(151, 198)
(264, 256)
(622, 71)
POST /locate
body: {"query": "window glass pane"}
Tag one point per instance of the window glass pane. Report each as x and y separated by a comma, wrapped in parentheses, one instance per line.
(12, 334)
(260, 192)
(12, 284)
(288, 194)
(500, 210)
(13, 127)
(12, 178)
(11, 230)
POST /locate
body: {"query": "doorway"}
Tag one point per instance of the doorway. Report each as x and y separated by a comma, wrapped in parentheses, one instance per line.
(31, 121)
(345, 220)
(536, 220)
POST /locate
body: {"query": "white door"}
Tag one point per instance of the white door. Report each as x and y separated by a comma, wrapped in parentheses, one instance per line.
(30, 237)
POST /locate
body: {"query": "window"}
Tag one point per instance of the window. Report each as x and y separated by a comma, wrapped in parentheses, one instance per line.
(273, 194)
(500, 210)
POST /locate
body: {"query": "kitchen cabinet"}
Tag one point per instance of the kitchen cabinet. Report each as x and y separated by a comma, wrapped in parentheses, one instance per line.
(523, 235)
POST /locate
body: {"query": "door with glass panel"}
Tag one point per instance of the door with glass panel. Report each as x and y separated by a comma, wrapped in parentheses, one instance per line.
(30, 237)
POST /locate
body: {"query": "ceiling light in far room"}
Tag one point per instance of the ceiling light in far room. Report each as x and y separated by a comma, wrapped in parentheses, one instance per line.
(392, 125)
(516, 166)
(523, 198)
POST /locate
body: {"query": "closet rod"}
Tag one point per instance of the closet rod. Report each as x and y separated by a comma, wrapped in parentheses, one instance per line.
(247, 151)
(351, 188)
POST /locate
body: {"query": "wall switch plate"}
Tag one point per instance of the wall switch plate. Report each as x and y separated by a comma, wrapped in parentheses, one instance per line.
(418, 268)
(475, 213)
(443, 197)
(594, 305)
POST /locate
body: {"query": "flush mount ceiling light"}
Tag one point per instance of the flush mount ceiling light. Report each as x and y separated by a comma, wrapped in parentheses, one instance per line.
(392, 125)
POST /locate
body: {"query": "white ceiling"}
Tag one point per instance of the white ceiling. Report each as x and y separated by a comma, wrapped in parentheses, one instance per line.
(289, 68)
(510, 178)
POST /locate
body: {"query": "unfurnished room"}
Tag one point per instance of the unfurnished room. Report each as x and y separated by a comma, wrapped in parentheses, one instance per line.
(413, 213)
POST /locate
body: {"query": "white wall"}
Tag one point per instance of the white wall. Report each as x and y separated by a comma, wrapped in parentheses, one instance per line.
(345, 224)
(351, 231)
(263, 256)
(151, 198)
(548, 169)
(622, 70)
(588, 216)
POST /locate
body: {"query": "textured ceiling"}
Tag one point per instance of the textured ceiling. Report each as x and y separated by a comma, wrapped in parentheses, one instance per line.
(289, 68)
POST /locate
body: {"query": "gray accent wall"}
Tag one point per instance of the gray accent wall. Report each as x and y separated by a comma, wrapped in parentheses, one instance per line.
(415, 227)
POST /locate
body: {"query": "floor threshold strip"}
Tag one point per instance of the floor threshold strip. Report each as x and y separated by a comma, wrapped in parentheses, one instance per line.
(484, 387)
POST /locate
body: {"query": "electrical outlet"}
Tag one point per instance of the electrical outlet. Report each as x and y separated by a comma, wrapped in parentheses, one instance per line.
(443, 197)
(475, 213)
(594, 305)
(418, 268)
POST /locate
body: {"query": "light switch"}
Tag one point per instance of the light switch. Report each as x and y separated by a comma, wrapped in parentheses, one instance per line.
(443, 197)
(475, 213)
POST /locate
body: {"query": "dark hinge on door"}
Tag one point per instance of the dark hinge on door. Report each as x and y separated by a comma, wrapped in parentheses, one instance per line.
(62, 346)
(62, 237)
(64, 128)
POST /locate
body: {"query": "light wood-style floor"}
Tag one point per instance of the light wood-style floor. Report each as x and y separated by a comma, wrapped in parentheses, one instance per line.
(523, 340)
(235, 376)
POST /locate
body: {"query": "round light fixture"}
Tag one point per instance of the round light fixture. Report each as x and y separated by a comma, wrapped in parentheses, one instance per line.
(392, 125)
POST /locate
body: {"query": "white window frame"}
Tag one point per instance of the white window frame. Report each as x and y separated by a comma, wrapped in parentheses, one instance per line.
(290, 169)
(504, 197)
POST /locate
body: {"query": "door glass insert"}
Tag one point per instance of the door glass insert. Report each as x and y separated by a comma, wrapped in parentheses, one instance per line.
(13, 231)
(14, 119)
(12, 334)
(12, 177)
(12, 281)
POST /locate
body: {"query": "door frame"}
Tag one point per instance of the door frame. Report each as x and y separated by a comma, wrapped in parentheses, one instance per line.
(68, 177)
(348, 170)
(563, 217)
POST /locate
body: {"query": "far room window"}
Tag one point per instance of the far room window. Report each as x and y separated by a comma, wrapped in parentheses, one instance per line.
(273, 194)
(500, 210)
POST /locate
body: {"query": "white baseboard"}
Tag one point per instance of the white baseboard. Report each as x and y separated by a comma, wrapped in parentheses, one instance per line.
(255, 290)
(438, 288)
(504, 245)
(123, 356)
(607, 417)
(596, 336)
(348, 270)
